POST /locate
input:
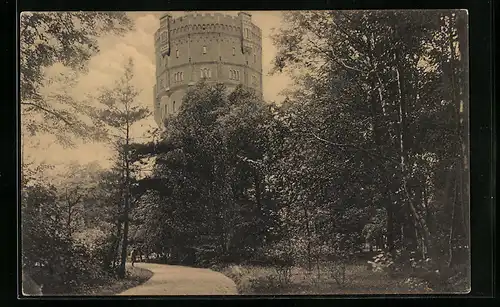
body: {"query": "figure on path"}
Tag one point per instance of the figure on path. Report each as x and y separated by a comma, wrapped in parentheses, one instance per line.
(134, 255)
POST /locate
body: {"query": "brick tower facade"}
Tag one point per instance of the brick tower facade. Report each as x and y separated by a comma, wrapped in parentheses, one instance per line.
(215, 47)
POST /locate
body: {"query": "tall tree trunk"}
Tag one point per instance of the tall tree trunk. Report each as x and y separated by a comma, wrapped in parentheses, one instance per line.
(309, 243)
(390, 226)
(404, 163)
(116, 256)
(259, 210)
(380, 135)
(126, 206)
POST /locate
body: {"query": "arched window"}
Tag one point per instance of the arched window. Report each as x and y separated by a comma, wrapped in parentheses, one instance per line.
(204, 49)
(206, 73)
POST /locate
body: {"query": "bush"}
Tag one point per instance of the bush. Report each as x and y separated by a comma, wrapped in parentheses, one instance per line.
(282, 260)
(382, 262)
(49, 255)
(337, 270)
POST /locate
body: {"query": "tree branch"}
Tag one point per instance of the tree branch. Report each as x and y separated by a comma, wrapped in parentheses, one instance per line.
(48, 111)
(354, 147)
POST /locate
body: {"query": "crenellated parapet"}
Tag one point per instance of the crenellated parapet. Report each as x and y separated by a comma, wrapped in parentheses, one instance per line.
(212, 46)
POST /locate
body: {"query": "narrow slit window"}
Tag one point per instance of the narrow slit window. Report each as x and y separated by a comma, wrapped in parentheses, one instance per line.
(234, 51)
(204, 72)
(177, 52)
(204, 49)
(173, 106)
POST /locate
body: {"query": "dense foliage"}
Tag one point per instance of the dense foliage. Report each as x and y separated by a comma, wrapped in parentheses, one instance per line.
(67, 39)
(370, 148)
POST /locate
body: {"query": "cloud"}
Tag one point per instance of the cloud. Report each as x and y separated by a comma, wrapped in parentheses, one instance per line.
(107, 66)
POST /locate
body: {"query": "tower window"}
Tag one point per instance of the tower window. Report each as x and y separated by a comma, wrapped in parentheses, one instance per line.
(173, 106)
(177, 52)
(234, 74)
(234, 51)
(206, 73)
(179, 76)
(204, 49)
(255, 58)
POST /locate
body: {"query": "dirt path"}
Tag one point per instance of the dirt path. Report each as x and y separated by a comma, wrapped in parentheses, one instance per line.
(180, 280)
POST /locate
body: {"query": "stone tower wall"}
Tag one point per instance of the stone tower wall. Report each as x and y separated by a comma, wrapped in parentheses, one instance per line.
(230, 47)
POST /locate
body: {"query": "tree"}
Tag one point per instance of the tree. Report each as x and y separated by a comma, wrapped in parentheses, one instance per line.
(121, 111)
(209, 189)
(70, 39)
(381, 80)
(78, 187)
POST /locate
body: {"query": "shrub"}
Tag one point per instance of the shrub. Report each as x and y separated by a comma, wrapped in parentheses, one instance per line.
(282, 260)
(337, 271)
(382, 262)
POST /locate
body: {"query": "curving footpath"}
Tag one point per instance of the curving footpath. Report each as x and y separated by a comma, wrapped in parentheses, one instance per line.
(180, 280)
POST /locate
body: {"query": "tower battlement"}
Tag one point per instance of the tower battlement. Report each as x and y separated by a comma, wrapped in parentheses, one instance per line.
(212, 46)
(210, 22)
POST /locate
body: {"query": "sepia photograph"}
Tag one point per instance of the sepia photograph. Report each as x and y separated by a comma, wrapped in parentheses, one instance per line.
(185, 153)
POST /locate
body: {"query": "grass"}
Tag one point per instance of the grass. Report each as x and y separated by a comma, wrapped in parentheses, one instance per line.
(264, 280)
(135, 277)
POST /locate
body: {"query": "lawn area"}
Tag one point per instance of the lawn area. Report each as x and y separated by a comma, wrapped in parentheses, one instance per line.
(258, 280)
(135, 277)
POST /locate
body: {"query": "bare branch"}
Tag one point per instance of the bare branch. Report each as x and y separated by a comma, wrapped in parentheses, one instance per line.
(48, 111)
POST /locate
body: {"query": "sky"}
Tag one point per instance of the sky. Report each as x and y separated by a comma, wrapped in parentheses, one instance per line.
(107, 66)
